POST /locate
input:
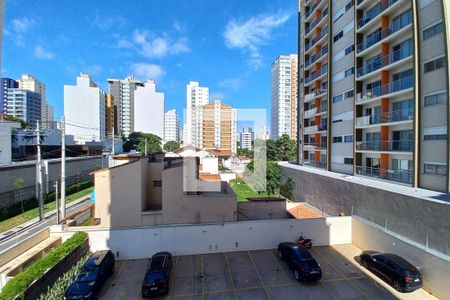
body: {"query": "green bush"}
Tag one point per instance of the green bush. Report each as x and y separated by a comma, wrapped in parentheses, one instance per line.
(17, 286)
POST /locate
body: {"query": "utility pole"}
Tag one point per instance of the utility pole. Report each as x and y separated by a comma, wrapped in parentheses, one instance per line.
(39, 175)
(63, 168)
(57, 202)
(145, 146)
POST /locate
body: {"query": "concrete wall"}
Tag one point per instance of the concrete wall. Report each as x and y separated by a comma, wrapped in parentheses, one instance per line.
(260, 210)
(209, 238)
(435, 270)
(416, 218)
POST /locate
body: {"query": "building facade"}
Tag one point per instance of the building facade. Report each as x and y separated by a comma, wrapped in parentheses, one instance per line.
(109, 116)
(246, 138)
(6, 83)
(284, 97)
(171, 126)
(149, 109)
(122, 91)
(196, 96)
(374, 93)
(218, 130)
(87, 124)
(25, 105)
(29, 82)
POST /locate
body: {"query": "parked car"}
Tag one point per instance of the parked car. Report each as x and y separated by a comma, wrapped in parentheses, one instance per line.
(156, 279)
(92, 276)
(401, 274)
(299, 259)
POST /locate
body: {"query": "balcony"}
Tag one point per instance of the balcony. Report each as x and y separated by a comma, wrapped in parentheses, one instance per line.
(371, 16)
(385, 146)
(316, 39)
(311, 96)
(385, 117)
(384, 34)
(316, 21)
(310, 113)
(316, 75)
(314, 163)
(312, 9)
(316, 56)
(384, 61)
(403, 176)
(387, 90)
(310, 129)
(314, 146)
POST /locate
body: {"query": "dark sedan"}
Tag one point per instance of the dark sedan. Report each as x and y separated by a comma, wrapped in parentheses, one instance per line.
(299, 259)
(401, 274)
(157, 275)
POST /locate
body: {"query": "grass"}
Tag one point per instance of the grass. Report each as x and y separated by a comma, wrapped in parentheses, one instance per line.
(243, 191)
(33, 213)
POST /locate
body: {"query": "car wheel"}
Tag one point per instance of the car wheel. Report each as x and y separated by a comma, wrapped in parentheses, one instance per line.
(296, 275)
(396, 285)
(365, 264)
(280, 254)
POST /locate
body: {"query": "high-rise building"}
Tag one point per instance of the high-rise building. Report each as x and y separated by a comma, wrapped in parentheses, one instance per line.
(284, 97)
(25, 105)
(218, 127)
(6, 83)
(149, 109)
(374, 96)
(109, 116)
(196, 96)
(171, 126)
(123, 92)
(84, 110)
(246, 138)
(29, 82)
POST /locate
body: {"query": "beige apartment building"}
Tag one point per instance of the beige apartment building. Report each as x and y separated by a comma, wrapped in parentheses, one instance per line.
(109, 115)
(373, 97)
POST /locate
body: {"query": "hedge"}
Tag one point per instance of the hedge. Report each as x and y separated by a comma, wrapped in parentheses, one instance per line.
(16, 287)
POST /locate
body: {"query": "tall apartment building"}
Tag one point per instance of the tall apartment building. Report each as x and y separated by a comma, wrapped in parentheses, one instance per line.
(123, 92)
(149, 109)
(25, 105)
(29, 82)
(374, 96)
(6, 83)
(246, 138)
(171, 126)
(196, 96)
(219, 126)
(84, 110)
(110, 109)
(284, 97)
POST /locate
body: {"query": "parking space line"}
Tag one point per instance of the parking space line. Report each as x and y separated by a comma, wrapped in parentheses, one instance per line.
(347, 278)
(283, 270)
(259, 276)
(171, 280)
(203, 277)
(231, 275)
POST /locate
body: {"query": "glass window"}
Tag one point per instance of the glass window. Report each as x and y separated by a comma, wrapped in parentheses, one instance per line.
(337, 139)
(348, 138)
(435, 169)
(349, 94)
(337, 98)
(348, 160)
(435, 137)
(432, 31)
(434, 64)
(338, 36)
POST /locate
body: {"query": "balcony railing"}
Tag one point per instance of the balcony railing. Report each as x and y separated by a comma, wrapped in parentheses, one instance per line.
(386, 60)
(385, 117)
(385, 146)
(311, 96)
(321, 146)
(373, 14)
(317, 21)
(384, 33)
(316, 74)
(312, 8)
(404, 176)
(311, 43)
(392, 87)
(310, 129)
(310, 113)
(316, 56)
(314, 163)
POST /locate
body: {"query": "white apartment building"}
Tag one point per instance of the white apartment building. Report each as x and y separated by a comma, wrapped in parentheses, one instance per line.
(84, 110)
(195, 96)
(123, 92)
(29, 82)
(284, 97)
(149, 109)
(25, 105)
(171, 126)
(246, 138)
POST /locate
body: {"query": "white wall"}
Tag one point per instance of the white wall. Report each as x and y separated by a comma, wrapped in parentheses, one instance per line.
(210, 165)
(5, 141)
(197, 239)
(149, 110)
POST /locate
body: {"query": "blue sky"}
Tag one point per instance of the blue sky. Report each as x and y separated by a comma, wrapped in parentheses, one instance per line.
(227, 45)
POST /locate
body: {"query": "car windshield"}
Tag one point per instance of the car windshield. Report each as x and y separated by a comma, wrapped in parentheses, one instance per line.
(87, 276)
(302, 254)
(153, 277)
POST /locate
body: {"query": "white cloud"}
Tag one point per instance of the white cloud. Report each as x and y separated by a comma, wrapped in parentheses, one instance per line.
(217, 96)
(232, 83)
(106, 21)
(249, 35)
(22, 25)
(148, 71)
(157, 46)
(42, 53)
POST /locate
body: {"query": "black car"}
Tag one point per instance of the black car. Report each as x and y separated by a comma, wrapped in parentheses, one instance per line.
(156, 279)
(93, 274)
(401, 274)
(301, 261)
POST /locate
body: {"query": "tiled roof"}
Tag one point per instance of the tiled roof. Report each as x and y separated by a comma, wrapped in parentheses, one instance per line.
(303, 211)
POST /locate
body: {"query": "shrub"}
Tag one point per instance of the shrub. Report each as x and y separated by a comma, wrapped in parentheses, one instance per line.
(17, 286)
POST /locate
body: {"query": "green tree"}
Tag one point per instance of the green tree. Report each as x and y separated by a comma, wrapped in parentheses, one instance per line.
(23, 124)
(287, 189)
(153, 143)
(245, 152)
(132, 142)
(287, 148)
(273, 175)
(171, 146)
(272, 150)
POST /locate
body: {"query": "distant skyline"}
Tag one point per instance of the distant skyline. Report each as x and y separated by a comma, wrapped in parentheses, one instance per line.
(227, 46)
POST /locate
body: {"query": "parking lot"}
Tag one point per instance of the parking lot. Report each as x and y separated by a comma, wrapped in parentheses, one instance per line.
(257, 275)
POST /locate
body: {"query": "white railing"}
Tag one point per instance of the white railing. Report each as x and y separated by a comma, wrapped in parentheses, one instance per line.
(310, 129)
(310, 113)
(363, 121)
